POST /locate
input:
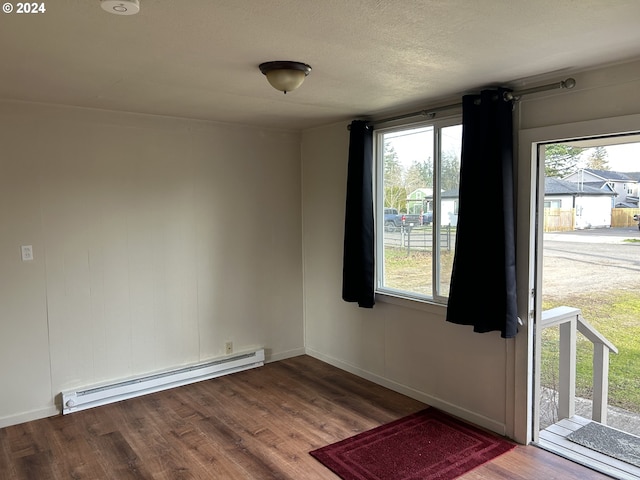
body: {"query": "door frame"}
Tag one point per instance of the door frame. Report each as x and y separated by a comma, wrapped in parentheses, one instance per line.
(523, 415)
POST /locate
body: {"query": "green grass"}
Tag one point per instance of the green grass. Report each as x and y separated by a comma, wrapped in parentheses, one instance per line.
(616, 315)
(632, 240)
(412, 272)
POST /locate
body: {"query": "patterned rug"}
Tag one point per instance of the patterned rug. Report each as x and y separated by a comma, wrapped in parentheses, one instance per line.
(426, 445)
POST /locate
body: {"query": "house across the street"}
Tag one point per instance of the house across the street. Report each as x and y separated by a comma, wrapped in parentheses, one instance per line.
(591, 204)
(624, 184)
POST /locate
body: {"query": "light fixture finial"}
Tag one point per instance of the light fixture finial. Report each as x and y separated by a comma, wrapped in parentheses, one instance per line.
(285, 75)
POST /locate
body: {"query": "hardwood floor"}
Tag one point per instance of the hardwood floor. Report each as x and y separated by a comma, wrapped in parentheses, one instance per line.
(257, 424)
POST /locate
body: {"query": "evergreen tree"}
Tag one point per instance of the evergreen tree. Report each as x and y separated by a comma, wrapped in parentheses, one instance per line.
(395, 194)
(561, 160)
(449, 171)
(598, 159)
(393, 170)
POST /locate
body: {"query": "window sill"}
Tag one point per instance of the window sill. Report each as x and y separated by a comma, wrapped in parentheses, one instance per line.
(413, 303)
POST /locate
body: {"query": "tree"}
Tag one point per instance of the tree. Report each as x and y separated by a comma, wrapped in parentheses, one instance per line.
(419, 175)
(561, 159)
(395, 194)
(393, 170)
(395, 197)
(449, 171)
(598, 159)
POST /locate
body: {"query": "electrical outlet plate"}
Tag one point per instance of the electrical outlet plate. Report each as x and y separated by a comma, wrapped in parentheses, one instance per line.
(228, 347)
(27, 252)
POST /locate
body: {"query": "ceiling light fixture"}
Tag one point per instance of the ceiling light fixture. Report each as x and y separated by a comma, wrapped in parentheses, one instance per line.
(285, 75)
(121, 7)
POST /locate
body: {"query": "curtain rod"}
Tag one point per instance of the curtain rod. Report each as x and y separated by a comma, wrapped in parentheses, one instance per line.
(507, 97)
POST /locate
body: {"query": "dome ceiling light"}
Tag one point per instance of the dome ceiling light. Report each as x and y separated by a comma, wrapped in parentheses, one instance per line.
(285, 75)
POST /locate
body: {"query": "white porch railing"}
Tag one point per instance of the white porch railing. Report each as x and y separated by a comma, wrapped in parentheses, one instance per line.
(570, 322)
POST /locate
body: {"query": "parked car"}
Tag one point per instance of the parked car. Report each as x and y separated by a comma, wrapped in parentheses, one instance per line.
(416, 219)
(392, 219)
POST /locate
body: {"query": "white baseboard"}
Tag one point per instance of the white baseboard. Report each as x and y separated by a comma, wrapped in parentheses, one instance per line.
(51, 411)
(28, 416)
(448, 407)
(274, 357)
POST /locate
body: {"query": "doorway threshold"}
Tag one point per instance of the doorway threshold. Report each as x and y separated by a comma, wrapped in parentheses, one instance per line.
(554, 439)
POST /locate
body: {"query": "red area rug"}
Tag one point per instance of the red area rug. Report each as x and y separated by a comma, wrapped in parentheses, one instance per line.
(426, 445)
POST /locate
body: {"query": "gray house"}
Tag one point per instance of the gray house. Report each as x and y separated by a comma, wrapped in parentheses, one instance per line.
(592, 204)
(624, 184)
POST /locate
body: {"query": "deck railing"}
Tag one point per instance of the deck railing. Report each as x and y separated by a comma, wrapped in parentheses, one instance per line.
(570, 322)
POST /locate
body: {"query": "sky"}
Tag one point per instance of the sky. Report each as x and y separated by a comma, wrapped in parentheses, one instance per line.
(621, 158)
(418, 145)
(624, 157)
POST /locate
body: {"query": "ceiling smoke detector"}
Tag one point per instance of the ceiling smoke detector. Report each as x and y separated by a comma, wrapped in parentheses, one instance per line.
(121, 7)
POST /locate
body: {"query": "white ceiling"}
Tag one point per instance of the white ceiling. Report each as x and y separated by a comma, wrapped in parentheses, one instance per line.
(199, 58)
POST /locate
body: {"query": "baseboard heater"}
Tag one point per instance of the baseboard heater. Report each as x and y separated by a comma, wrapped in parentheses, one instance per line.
(102, 395)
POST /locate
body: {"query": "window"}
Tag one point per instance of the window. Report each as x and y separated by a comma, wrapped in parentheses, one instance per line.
(418, 172)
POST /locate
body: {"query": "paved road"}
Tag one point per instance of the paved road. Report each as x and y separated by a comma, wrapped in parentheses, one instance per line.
(601, 235)
(591, 261)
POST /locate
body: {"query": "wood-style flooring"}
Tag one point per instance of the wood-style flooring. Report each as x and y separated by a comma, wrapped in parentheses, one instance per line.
(257, 424)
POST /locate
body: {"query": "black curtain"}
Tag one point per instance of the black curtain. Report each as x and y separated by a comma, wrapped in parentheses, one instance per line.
(483, 282)
(359, 252)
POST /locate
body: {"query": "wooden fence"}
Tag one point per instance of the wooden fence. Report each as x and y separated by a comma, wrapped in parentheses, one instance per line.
(557, 220)
(623, 217)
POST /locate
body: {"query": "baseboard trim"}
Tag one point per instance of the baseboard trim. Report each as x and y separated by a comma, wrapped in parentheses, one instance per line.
(450, 408)
(23, 417)
(274, 357)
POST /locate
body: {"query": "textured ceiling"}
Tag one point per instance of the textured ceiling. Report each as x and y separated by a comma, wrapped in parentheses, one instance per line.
(199, 58)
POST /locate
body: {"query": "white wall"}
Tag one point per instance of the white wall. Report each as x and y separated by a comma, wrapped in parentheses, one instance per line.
(410, 350)
(156, 240)
(478, 376)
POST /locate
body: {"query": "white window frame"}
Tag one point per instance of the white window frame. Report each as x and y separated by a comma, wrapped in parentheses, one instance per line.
(392, 295)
